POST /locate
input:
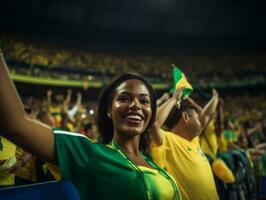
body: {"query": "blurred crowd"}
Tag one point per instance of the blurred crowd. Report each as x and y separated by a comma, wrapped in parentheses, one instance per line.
(247, 106)
(202, 69)
(240, 132)
(57, 111)
(235, 135)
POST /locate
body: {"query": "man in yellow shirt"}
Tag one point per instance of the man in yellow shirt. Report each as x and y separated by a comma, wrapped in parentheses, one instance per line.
(7, 159)
(178, 150)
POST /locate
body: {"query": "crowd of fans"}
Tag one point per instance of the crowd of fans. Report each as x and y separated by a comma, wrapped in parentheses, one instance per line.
(242, 130)
(202, 69)
(246, 106)
(235, 134)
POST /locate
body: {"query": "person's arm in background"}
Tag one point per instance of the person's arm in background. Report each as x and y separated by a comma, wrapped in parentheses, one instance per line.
(73, 111)
(190, 100)
(49, 98)
(255, 129)
(162, 99)
(29, 134)
(162, 114)
(209, 109)
(219, 127)
(219, 122)
(67, 101)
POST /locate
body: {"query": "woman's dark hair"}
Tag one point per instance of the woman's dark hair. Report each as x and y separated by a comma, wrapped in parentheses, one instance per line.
(105, 124)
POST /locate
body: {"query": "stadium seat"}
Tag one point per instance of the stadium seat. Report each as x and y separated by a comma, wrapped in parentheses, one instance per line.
(263, 186)
(42, 191)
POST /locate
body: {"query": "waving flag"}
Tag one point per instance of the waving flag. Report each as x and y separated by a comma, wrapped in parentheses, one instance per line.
(180, 81)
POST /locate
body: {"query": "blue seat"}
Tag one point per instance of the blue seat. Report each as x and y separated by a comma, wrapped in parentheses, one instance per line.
(42, 191)
(263, 186)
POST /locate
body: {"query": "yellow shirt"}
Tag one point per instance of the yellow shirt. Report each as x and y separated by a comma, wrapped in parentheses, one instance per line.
(56, 113)
(185, 161)
(8, 154)
(222, 143)
(164, 190)
(209, 147)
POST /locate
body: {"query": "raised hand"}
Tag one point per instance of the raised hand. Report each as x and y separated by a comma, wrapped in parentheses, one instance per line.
(178, 96)
(178, 93)
(69, 91)
(215, 94)
(163, 98)
(49, 93)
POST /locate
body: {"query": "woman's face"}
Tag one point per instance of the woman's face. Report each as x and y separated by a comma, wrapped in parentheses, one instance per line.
(131, 108)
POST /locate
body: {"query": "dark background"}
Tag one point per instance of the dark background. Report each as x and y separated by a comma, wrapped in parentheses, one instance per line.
(183, 26)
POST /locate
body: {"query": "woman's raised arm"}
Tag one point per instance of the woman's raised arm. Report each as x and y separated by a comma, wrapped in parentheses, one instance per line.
(29, 134)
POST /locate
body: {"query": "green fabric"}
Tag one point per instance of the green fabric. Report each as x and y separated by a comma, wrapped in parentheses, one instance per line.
(55, 113)
(233, 119)
(227, 158)
(256, 136)
(262, 165)
(230, 135)
(101, 172)
(180, 79)
(238, 162)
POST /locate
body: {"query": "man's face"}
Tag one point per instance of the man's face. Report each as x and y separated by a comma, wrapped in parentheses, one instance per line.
(194, 122)
(59, 98)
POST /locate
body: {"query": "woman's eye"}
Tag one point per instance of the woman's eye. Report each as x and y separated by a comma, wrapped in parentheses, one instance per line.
(123, 99)
(145, 101)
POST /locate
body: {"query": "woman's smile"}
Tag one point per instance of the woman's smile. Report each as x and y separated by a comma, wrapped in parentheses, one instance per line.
(133, 119)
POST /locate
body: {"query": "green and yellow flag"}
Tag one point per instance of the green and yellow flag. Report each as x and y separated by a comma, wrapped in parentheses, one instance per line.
(180, 81)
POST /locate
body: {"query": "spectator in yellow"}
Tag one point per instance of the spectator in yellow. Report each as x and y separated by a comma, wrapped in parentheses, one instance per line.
(56, 107)
(178, 150)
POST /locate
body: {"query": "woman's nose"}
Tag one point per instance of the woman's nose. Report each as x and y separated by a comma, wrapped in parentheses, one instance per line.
(135, 104)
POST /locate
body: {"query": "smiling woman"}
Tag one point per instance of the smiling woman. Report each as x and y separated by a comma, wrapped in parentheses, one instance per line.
(131, 109)
(115, 168)
(128, 96)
